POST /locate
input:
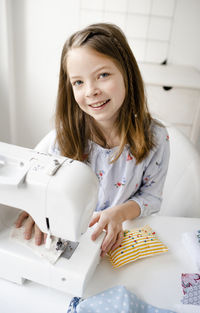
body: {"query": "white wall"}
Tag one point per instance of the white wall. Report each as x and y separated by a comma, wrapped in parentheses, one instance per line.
(36, 31)
(185, 42)
(40, 28)
(4, 86)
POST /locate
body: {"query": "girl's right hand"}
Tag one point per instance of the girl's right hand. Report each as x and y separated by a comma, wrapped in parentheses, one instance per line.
(25, 219)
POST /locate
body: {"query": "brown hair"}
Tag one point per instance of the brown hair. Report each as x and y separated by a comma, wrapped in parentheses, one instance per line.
(74, 127)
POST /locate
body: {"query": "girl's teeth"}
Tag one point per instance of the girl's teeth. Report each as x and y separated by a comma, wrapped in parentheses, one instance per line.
(99, 104)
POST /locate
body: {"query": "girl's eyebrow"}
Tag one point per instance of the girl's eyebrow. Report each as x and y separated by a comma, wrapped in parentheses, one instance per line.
(104, 67)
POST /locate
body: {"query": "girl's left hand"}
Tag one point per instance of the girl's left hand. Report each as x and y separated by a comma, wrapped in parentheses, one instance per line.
(111, 221)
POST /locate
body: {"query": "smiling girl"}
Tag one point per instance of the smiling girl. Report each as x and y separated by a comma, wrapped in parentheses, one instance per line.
(102, 119)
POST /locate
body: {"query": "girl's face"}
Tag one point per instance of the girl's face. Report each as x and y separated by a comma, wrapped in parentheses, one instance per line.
(97, 84)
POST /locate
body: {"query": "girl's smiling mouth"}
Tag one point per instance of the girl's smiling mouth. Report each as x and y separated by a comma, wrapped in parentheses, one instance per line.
(99, 104)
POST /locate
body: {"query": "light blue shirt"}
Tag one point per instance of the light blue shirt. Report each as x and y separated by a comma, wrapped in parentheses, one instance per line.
(125, 180)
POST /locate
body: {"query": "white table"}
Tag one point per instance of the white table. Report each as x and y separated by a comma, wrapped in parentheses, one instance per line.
(157, 279)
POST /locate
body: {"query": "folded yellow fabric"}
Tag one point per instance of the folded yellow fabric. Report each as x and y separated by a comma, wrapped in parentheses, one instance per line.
(137, 244)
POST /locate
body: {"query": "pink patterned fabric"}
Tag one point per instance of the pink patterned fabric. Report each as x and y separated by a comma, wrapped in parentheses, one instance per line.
(191, 288)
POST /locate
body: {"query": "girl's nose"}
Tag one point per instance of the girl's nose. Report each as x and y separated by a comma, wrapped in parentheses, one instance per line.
(92, 90)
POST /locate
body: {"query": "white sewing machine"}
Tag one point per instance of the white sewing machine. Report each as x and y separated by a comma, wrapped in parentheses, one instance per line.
(60, 194)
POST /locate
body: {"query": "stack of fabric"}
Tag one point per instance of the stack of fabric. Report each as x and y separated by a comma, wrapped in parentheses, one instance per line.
(191, 288)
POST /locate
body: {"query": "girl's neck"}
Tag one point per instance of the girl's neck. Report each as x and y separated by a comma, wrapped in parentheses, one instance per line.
(111, 136)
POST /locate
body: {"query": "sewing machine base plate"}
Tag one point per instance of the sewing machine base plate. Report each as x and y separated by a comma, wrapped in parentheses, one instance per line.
(68, 275)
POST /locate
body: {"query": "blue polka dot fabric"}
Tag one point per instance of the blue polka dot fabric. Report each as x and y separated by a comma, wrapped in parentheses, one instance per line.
(116, 300)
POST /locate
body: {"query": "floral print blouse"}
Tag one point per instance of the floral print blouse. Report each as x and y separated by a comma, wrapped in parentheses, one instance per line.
(125, 180)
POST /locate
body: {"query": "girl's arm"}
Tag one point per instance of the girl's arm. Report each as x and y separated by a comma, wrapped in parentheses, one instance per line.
(149, 195)
(146, 201)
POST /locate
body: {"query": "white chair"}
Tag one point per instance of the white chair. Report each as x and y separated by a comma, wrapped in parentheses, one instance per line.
(181, 194)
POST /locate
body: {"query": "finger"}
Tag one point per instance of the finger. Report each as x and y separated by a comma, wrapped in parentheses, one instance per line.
(111, 236)
(28, 228)
(120, 237)
(38, 236)
(22, 216)
(45, 237)
(108, 241)
(104, 252)
(98, 230)
(94, 219)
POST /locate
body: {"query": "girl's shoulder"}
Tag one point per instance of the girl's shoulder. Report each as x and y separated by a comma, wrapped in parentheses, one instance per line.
(159, 132)
(161, 142)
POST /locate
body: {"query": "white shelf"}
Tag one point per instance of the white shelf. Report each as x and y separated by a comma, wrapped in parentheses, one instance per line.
(170, 75)
(178, 105)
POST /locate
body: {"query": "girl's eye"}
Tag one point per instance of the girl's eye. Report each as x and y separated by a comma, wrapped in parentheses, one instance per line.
(103, 75)
(77, 83)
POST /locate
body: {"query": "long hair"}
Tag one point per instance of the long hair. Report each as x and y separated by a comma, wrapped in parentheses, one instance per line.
(74, 127)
